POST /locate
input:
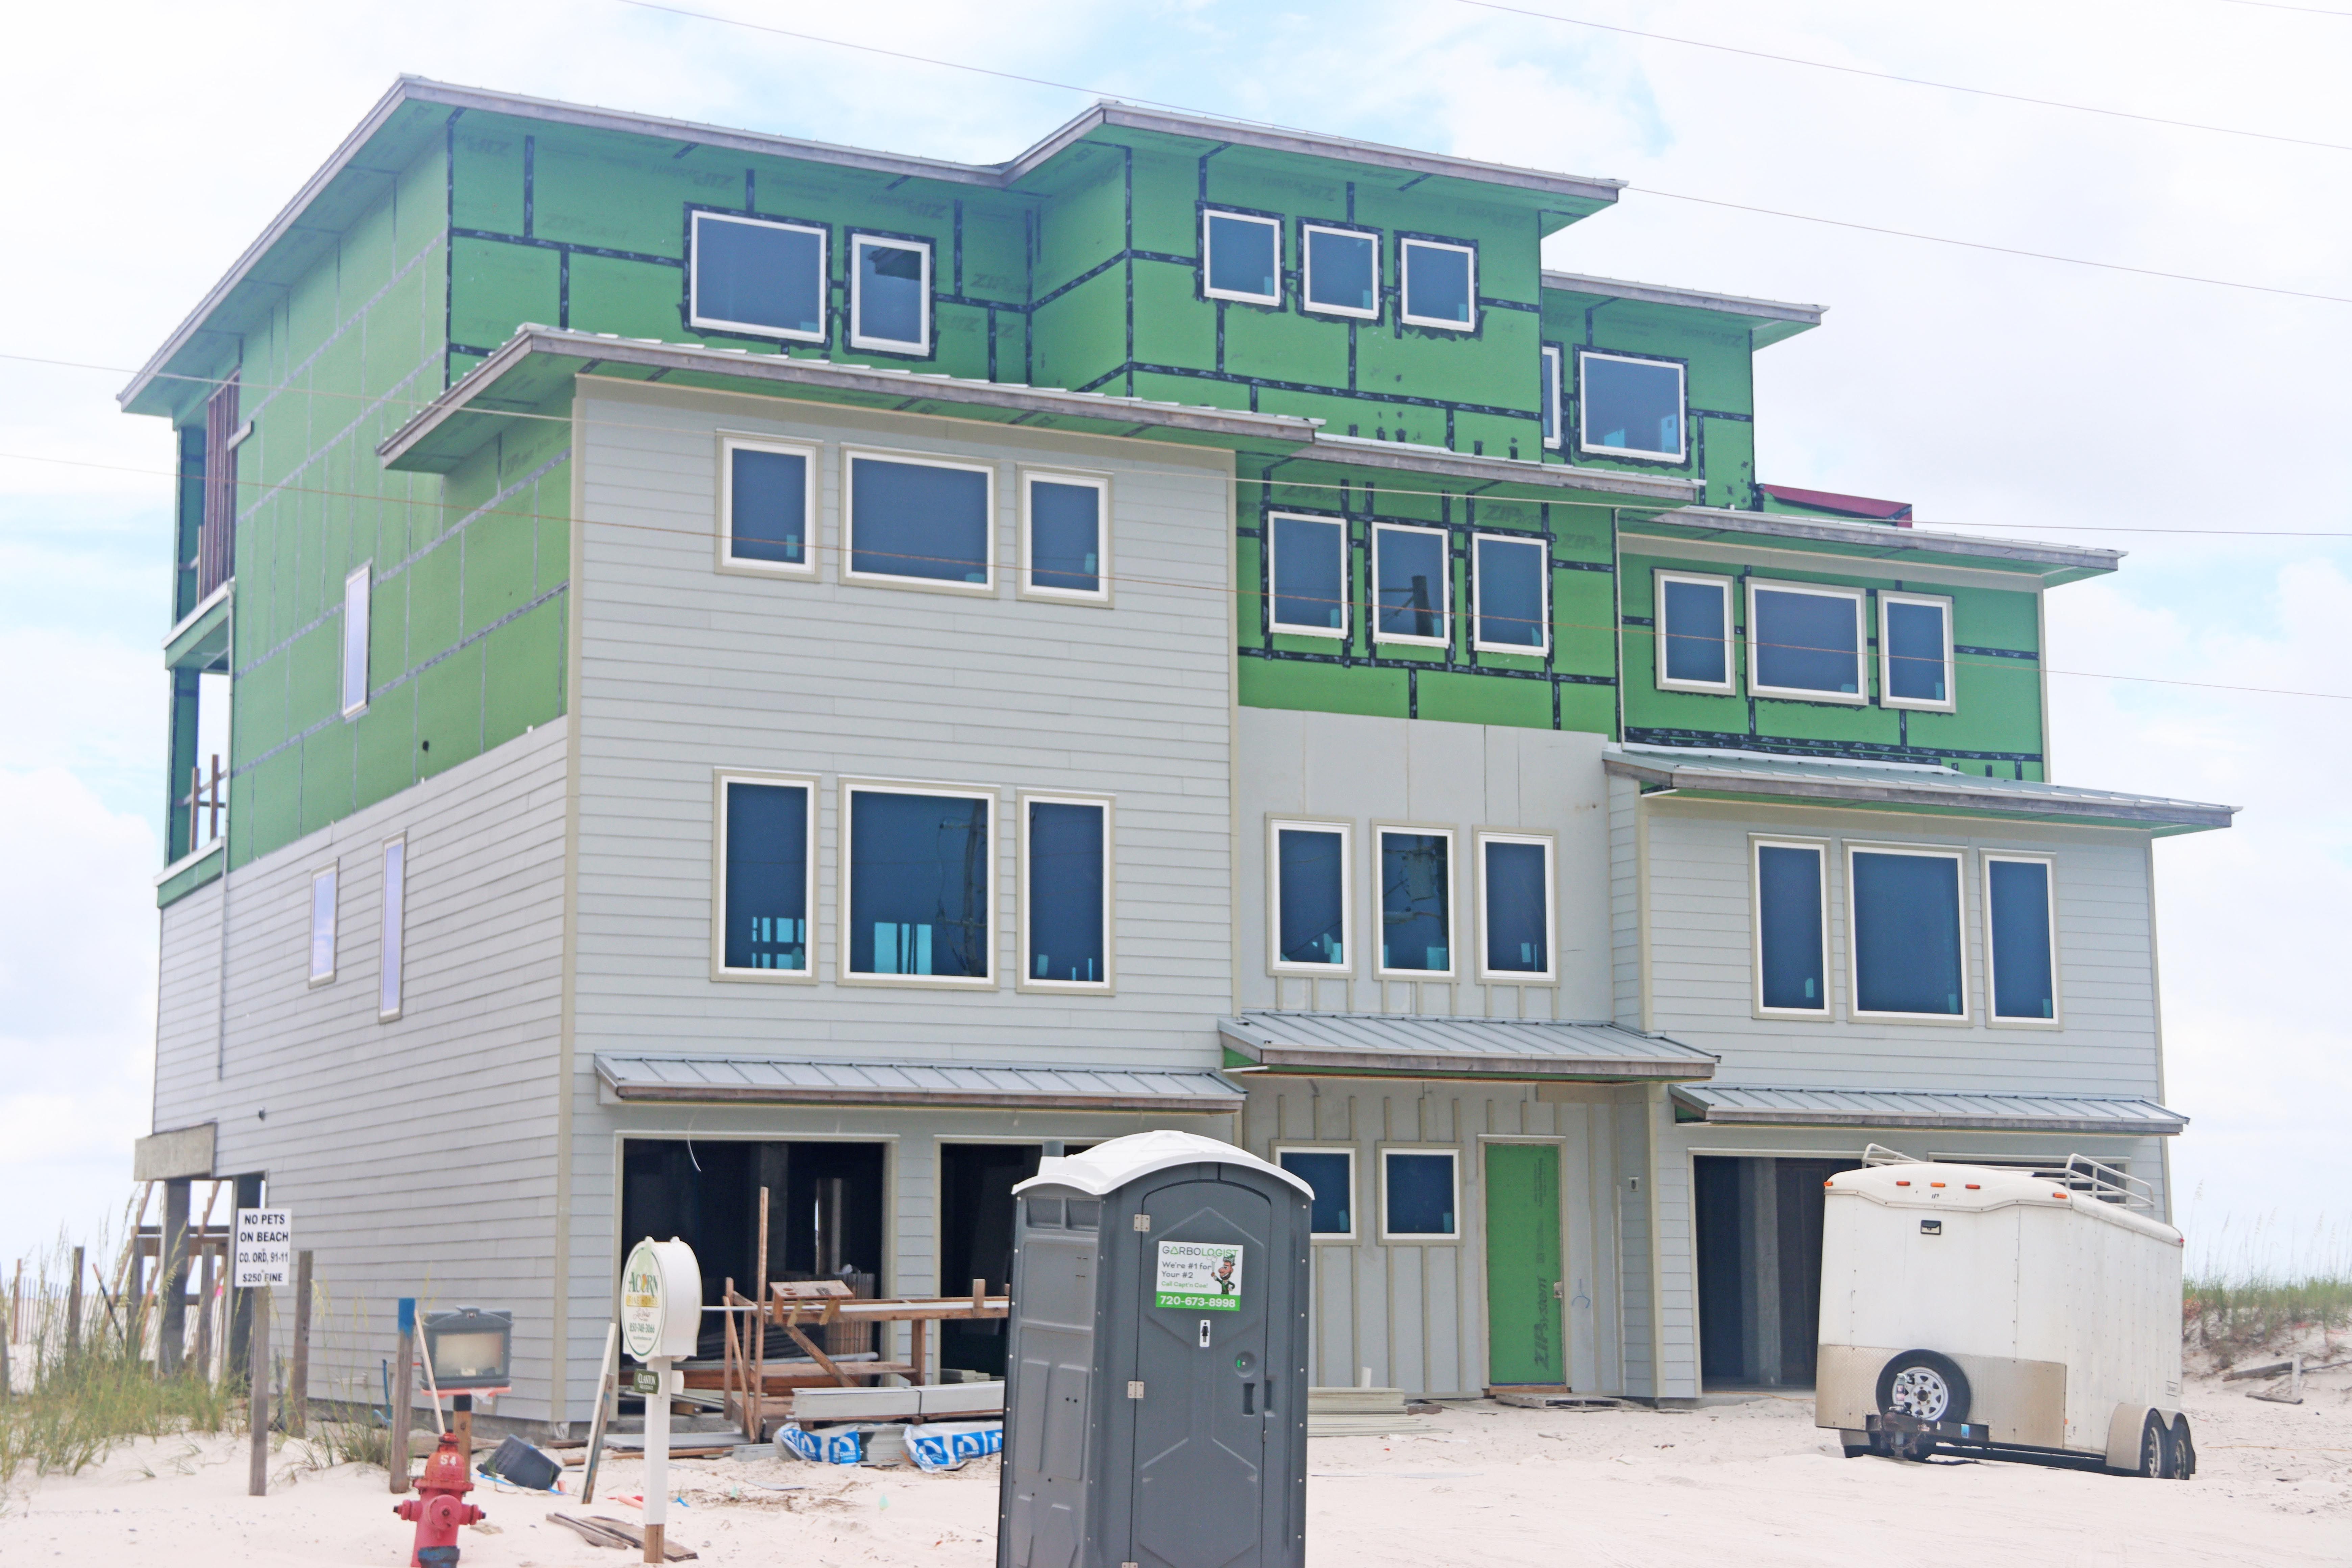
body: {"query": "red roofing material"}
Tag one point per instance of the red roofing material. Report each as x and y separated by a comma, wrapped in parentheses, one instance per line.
(1897, 512)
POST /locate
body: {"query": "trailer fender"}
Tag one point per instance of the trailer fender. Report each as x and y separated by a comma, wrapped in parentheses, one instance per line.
(2124, 1428)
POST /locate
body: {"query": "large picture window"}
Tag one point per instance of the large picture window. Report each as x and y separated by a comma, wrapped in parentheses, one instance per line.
(1629, 407)
(1310, 897)
(1792, 930)
(1420, 1194)
(923, 521)
(920, 884)
(1693, 632)
(1903, 916)
(1310, 570)
(1416, 898)
(2020, 939)
(1412, 589)
(1441, 284)
(1343, 271)
(757, 276)
(1805, 642)
(889, 294)
(1515, 908)
(767, 506)
(1065, 893)
(1065, 536)
(1915, 651)
(1510, 595)
(1245, 257)
(1331, 1172)
(767, 877)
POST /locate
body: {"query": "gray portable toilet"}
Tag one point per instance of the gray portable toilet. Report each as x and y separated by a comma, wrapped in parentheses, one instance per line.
(1156, 1373)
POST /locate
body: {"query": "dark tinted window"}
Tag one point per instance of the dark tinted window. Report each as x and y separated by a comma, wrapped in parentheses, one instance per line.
(1632, 405)
(1915, 652)
(2022, 986)
(1420, 1194)
(1511, 593)
(1694, 631)
(1064, 537)
(918, 885)
(1906, 933)
(1241, 255)
(767, 876)
(1309, 881)
(1806, 642)
(759, 275)
(912, 520)
(1416, 901)
(1339, 270)
(1309, 558)
(1065, 892)
(890, 303)
(1411, 593)
(1331, 1209)
(1437, 283)
(1519, 909)
(1789, 936)
(767, 507)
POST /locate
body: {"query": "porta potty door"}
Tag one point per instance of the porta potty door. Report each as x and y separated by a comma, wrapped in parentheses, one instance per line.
(1201, 1460)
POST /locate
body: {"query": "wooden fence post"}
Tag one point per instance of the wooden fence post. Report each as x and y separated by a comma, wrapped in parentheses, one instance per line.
(256, 1402)
(73, 1306)
(297, 1375)
(402, 1394)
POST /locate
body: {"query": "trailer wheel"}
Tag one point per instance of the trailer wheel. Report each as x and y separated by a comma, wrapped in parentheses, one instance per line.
(2155, 1453)
(2184, 1450)
(1924, 1385)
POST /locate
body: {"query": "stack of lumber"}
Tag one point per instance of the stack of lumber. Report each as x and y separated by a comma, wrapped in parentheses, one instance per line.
(926, 1402)
(1360, 1413)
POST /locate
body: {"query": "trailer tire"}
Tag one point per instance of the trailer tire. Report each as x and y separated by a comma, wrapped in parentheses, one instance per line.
(1926, 1385)
(2184, 1450)
(2157, 1460)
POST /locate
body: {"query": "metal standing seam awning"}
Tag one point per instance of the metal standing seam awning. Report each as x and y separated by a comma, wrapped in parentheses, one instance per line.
(1394, 1046)
(1953, 1109)
(798, 1080)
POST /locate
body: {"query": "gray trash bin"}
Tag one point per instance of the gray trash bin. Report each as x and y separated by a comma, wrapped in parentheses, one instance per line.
(1156, 1400)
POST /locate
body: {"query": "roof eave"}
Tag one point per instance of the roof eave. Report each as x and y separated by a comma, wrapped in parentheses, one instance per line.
(750, 1094)
(1948, 1121)
(1777, 318)
(1524, 1070)
(2055, 562)
(2174, 816)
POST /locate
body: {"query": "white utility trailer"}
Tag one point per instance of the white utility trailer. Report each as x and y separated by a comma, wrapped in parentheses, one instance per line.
(2034, 1314)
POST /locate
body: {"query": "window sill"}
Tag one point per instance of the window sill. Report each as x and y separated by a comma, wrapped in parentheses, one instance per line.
(721, 974)
(1699, 687)
(919, 584)
(919, 982)
(1910, 705)
(1798, 694)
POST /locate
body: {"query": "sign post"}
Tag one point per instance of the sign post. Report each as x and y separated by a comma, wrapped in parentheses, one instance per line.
(264, 1257)
(661, 1318)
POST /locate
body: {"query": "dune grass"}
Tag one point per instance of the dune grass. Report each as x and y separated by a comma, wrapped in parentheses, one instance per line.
(2254, 1288)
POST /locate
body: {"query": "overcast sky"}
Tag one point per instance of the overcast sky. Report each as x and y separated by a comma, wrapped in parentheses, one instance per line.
(2201, 427)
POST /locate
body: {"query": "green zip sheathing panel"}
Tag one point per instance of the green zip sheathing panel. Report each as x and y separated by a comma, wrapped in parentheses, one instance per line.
(1718, 356)
(1995, 728)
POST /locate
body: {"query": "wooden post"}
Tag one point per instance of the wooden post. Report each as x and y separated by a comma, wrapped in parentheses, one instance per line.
(73, 1306)
(607, 1396)
(461, 1421)
(759, 1335)
(204, 1309)
(257, 1365)
(172, 1278)
(297, 1374)
(403, 1396)
(922, 1358)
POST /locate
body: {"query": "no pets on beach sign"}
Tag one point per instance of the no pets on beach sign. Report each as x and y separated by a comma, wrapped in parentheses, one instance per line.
(1199, 1277)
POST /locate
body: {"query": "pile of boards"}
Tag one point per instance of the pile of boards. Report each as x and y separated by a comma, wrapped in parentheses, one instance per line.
(871, 1426)
(1360, 1413)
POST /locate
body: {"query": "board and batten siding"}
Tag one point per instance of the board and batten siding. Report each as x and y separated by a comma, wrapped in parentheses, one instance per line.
(414, 1154)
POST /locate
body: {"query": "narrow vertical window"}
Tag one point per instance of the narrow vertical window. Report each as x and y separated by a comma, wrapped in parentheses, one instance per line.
(1412, 589)
(1791, 930)
(921, 520)
(1915, 651)
(890, 294)
(1550, 395)
(1416, 872)
(1629, 407)
(1310, 575)
(2021, 938)
(1343, 272)
(921, 885)
(1805, 642)
(391, 956)
(766, 889)
(1904, 914)
(1515, 901)
(1310, 924)
(1331, 1212)
(1510, 595)
(1693, 632)
(322, 926)
(1441, 284)
(1243, 257)
(1419, 1188)
(1064, 894)
(767, 506)
(1065, 536)
(761, 279)
(356, 596)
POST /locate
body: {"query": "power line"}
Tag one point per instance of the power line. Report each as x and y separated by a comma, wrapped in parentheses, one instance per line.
(1907, 80)
(2275, 6)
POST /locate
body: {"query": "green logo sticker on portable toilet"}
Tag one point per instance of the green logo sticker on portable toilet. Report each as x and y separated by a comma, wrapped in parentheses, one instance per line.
(1199, 1277)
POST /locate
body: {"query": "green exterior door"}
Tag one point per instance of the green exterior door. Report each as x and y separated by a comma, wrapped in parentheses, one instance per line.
(1523, 1332)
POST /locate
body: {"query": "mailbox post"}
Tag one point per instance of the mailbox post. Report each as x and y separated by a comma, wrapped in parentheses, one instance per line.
(661, 1318)
(1156, 1372)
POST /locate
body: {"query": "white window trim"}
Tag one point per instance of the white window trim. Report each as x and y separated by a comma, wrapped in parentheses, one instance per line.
(857, 340)
(1306, 267)
(810, 454)
(1345, 827)
(1860, 696)
(1453, 969)
(1022, 979)
(1994, 1017)
(392, 946)
(364, 575)
(1556, 438)
(696, 319)
(1549, 974)
(1446, 599)
(852, 788)
(1729, 684)
(1404, 285)
(1543, 548)
(720, 779)
(326, 874)
(1209, 291)
(1451, 1152)
(1965, 1016)
(1820, 848)
(1272, 596)
(1100, 484)
(1681, 454)
(1355, 1194)
(1886, 697)
(850, 457)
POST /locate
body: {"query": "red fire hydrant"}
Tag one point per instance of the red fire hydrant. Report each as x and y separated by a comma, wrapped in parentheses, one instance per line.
(439, 1507)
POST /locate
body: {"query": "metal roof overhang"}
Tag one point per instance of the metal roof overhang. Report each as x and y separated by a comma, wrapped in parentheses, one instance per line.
(1350, 1044)
(797, 1080)
(1954, 1109)
(2053, 563)
(1768, 321)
